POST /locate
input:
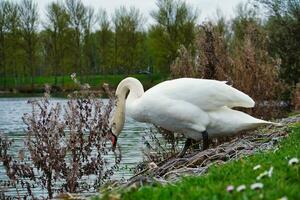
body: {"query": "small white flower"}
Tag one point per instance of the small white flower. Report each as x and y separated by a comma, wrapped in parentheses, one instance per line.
(73, 75)
(261, 175)
(270, 172)
(230, 188)
(293, 161)
(241, 188)
(256, 186)
(256, 167)
(86, 86)
(152, 165)
(283, 198)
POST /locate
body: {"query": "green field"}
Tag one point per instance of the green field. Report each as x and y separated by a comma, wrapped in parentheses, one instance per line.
(284, 182)
(66, 83)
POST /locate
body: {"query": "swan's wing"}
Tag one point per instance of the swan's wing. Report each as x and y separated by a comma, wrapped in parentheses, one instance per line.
(173, 115)
(204, 93)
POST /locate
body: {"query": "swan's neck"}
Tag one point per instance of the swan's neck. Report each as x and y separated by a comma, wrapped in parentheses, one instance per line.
(136, 90)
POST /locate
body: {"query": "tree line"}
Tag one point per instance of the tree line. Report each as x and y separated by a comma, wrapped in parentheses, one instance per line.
(77, 38)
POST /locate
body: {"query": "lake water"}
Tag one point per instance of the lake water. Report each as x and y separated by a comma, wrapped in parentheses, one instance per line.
(11, 124)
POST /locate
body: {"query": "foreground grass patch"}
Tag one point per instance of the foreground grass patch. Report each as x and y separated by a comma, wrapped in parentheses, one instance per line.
(284, 182)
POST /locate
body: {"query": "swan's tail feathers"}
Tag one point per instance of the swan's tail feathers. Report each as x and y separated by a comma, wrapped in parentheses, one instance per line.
(277, 124)
(257, 123)
(270, 123)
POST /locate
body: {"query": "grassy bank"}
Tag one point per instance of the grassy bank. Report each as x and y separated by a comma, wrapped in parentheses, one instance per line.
(65, 83)
(284, 182)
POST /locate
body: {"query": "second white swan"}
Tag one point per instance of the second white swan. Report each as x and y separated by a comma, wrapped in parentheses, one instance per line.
(197, 108)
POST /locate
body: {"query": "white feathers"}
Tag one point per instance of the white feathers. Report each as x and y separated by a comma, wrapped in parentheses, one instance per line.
(190, 106)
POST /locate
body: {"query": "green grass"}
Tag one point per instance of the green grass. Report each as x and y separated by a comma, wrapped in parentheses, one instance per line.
(285, 180)
(65, 82)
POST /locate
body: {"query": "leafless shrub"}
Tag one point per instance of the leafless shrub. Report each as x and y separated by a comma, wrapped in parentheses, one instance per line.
(64, 149)
(185, 65)
(210, 59)
(19, 172)
(296, 97)
(246, 65)
(256, 73)
(214, 59)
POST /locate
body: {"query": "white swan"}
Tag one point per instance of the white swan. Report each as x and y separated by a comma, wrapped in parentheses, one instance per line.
(197, 108)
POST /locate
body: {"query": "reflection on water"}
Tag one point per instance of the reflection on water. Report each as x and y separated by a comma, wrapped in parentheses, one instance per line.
(11, 124)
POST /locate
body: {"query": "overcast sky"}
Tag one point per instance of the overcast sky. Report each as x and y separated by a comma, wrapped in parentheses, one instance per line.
(207, 8)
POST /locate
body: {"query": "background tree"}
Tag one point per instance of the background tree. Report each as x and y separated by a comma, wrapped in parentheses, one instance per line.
(13, 37)
(175, 26)
(105, 41)
(77, 15)
(127, 26)
(29, 24)
(55, 42)
(3, 20)
(283, 30)
(89, 43)
(69, 41)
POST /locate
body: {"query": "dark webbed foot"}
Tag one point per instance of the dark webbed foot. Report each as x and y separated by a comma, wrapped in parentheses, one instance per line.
(190, 142)
(195, 144)
(187, 144)
(205, 140)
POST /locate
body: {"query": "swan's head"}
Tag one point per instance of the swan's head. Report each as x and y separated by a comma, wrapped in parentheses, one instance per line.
(130, 89)
(113, 139)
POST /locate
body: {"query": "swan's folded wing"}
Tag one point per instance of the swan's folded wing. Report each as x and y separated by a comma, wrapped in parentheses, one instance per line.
(206, 94)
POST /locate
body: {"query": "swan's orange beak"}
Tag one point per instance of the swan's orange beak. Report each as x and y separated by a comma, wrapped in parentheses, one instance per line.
(113, 141)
